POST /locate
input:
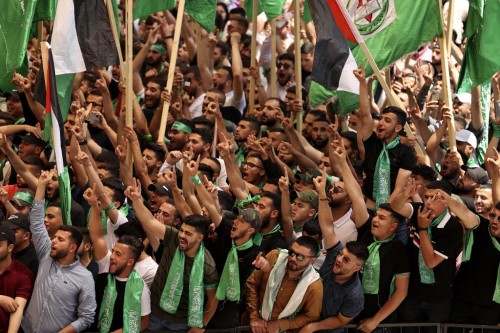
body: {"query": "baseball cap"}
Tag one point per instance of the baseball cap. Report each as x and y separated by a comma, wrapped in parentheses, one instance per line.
(18, 220)
(467, 137)
(161, 189)
(309, 196)
(463, 97)
(32, 139)
(13, 93)
(7, 234)
(251, 216)
(22, 198)
(308, 177)
(479, 175)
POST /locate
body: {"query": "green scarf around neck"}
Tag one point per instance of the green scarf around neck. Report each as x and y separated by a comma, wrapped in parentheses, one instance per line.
(426, 273)
(382, 175)
(468, 243)
(229, 284)
(257, 239)
(371, 270)
(131, 304)
(171, 295)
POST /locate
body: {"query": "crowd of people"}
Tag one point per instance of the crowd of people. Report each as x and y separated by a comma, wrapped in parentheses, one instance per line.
(249, 217)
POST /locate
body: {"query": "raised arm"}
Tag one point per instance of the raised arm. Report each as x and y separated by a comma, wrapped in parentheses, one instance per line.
(236, 182)
(41, 238)
(325, 216)
(286, 208)
(17, 164)
(237, 66)
(365, 127)
(100, 250)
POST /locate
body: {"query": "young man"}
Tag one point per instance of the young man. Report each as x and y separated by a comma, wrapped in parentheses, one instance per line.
(16, 283)
(64, 296)
(186, 273)
(285, 291)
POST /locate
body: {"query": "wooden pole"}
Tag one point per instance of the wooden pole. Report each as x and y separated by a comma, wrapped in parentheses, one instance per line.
(445, 91)
(298, 62)
(273, 90)
(115, 36)
(393, 99)
(171, 68)
(449, 31)
(253, 55)
(129, 90)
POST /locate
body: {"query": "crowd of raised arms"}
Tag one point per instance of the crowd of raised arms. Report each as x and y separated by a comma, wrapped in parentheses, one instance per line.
(248, 217)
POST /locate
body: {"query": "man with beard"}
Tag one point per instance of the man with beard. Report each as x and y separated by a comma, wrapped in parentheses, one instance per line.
(480, 267)
(63, 299)
(285, 292)
(483, 200)
(285, 73)
(247, 126)
(152, 97)
(16, 283)
(148, 62)
(309, 119)
(194, 89)
(233, 252)
(200, 142)
(269, 237)
(124, 291)
(153, 156)
(158, 194)
(296, 214)
(435, 242)
(186, 266)
(272, 113)
(319, 134)
(178, 134)
(388, 163)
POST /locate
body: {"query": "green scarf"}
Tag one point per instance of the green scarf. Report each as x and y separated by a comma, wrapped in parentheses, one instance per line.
(427, 274)
(257, 239)
(249, 200)
(382, 176)
(468, 242)
(131, 304)
(229, 284)
(171, 295)
(371, 271)
(240, 155)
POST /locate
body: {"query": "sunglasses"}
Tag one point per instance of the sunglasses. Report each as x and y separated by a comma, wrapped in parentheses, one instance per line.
(494, 217)
(345, 259)
(300, 257)
(250, 165)
(284, 65)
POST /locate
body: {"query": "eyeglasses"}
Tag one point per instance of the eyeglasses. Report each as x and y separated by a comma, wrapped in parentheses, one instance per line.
(284, 65)
(300, 257)
(345, 259)
(250, 165)
(494, 217)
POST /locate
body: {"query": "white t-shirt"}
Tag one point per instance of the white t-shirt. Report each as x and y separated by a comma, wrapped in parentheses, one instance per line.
(110, 237)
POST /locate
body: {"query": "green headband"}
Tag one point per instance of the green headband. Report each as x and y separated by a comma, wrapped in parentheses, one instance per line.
(159, 48)
(181, 127)
(26, 197)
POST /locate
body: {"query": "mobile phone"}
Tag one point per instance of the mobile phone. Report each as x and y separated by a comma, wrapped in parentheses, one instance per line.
(187, 82)
(436, 95)
(94, 118)
(264, 134)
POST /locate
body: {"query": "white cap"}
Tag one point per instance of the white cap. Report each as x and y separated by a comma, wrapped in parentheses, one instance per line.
(463, 97)
(467, 137)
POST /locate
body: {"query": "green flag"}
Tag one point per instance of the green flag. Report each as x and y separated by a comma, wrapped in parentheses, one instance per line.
(143, 8)
(272, 8)
(307, 12)
(45, 10)
(483, 32)
(15, 25)
(203, 12)
(394, 28)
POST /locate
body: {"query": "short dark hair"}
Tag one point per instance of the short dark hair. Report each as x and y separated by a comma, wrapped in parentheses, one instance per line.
(287, 56)
(229, 71)
(192, 69)
(9, 119)
(282, 104)
(199, 222)
(134, 244)
(358, 249)
(107, 156)
(131, 228)
(386, 206)
(309, 243)
(55, 204)
(275, 199)
(85, 234)
(425, 171)
(440, 185)
(34, 161)
(117, 187)
(75, 234)
(254, 123)
(157, 149)
(115, 172)
(352, 138)
(399, 113)
(206, 135)
(312, 228)
(220, 94)
(224, 49)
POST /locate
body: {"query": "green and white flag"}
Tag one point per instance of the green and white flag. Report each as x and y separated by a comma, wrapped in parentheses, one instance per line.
(144, 8)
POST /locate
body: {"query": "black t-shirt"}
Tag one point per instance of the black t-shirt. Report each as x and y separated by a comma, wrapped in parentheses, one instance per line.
(394, 259)
(102, 282)
(447, 239)
(273, 241)
(28, 257)
(401, 157)
(476, 278)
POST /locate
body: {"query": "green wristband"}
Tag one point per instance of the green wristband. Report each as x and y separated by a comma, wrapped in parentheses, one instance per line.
(196, 180)
(110, 207)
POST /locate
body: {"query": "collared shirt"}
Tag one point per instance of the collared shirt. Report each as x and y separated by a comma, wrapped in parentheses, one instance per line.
(345, 228)
(62, 295)
(196, 109)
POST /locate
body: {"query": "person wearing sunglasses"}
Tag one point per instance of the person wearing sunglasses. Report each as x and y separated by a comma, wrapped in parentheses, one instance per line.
(343, 293)
(476, 296)
(285, 71)
(285, 292)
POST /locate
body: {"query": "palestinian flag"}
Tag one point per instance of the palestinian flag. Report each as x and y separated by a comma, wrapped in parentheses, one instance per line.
(82, 38)
(334, 62)
(144, 8)
(59, 146)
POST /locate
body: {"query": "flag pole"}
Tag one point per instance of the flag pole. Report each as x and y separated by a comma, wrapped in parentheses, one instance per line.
(171, 68)
(112, 21)
(273, 91)
(449, 31)
(298, 62)
(129, 95)
(253, 55)
(445, 91)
